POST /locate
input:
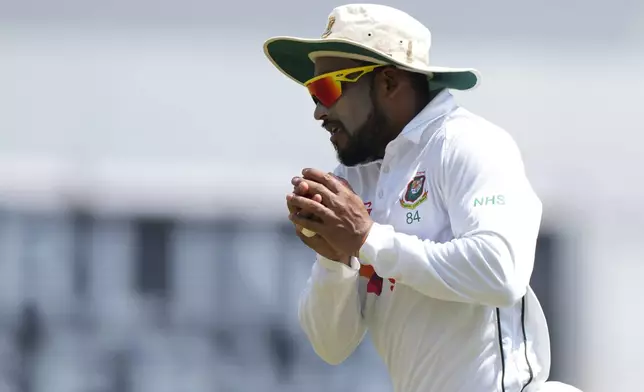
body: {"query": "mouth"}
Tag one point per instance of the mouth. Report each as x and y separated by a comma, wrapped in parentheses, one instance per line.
(332, 129)
(335, 130)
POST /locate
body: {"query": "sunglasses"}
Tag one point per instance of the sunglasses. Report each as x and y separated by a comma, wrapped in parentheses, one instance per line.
(327, 88)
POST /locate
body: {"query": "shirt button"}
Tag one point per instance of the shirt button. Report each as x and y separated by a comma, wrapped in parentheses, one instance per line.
(385, 169)
(380, 194)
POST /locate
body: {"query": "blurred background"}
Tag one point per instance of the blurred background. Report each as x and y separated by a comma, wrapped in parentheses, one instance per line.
(146, 148)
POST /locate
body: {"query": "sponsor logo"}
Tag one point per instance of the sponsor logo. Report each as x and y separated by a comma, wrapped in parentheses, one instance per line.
(494, 200)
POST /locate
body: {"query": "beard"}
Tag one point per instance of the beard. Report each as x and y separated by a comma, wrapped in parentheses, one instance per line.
(367, 143)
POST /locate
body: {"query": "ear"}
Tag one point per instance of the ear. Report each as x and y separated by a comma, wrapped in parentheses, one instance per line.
(390, 81)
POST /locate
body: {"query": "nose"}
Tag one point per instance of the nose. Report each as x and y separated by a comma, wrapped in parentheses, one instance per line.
(320, 111)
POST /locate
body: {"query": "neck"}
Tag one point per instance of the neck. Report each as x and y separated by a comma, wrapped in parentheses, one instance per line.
(408, 112)
(402, 115)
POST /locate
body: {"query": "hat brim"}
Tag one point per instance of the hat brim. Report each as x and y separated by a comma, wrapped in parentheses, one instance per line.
(294, 58)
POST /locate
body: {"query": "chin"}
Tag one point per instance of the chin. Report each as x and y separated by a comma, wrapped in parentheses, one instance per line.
(349, 162)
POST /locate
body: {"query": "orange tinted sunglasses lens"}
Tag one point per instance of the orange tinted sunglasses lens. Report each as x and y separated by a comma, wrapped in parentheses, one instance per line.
(325, 90)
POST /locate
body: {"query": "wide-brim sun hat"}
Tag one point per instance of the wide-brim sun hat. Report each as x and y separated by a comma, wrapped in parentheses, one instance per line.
(369, 32)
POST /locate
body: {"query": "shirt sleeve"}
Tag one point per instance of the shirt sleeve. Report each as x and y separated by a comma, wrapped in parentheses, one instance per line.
(494, 215)
(330, 307)
(330, 310)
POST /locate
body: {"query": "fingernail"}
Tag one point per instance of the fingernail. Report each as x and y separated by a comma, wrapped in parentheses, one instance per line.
(289, 196)
(296, 180)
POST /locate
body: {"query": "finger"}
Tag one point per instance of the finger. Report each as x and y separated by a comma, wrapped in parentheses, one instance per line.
(305, 232)
(308, 205)
(291, 208)
(301, 189)
(299, 186)
(304, 238)
(316, 188)
(294, 209)
(312, 242)
(308, 232)
(305, 223)
(326, 179)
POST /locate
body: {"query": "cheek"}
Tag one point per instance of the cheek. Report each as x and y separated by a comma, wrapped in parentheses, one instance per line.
(352, 114)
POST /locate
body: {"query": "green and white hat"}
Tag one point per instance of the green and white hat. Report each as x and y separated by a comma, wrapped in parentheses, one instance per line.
(373, 33)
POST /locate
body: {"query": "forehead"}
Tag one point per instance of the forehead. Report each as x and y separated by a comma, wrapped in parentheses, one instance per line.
(329, 64)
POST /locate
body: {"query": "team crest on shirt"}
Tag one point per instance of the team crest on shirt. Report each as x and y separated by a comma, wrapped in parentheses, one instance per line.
(415, 194)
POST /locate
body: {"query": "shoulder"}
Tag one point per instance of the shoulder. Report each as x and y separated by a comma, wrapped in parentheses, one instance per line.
(468, 138)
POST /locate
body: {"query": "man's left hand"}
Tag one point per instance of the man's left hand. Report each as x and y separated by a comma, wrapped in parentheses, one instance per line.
(345, 221)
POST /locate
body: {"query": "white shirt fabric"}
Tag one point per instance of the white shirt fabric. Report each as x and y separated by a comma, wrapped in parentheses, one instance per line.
(455, 251)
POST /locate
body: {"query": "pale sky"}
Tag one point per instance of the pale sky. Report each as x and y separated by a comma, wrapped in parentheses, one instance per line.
(582, 22)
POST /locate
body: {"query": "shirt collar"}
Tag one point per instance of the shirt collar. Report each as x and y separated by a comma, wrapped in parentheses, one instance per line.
(441, 105)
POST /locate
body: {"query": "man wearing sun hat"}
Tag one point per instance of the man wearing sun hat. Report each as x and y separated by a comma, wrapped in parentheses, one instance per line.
(425, 233)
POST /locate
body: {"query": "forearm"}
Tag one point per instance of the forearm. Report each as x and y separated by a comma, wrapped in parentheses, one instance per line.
(480, 268)
(329, 310)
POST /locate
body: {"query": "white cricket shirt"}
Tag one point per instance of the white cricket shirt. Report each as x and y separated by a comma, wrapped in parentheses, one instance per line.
(454, 242)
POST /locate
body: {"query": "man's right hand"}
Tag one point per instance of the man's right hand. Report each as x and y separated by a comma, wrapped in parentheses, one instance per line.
(322, 247)
(317, 242)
